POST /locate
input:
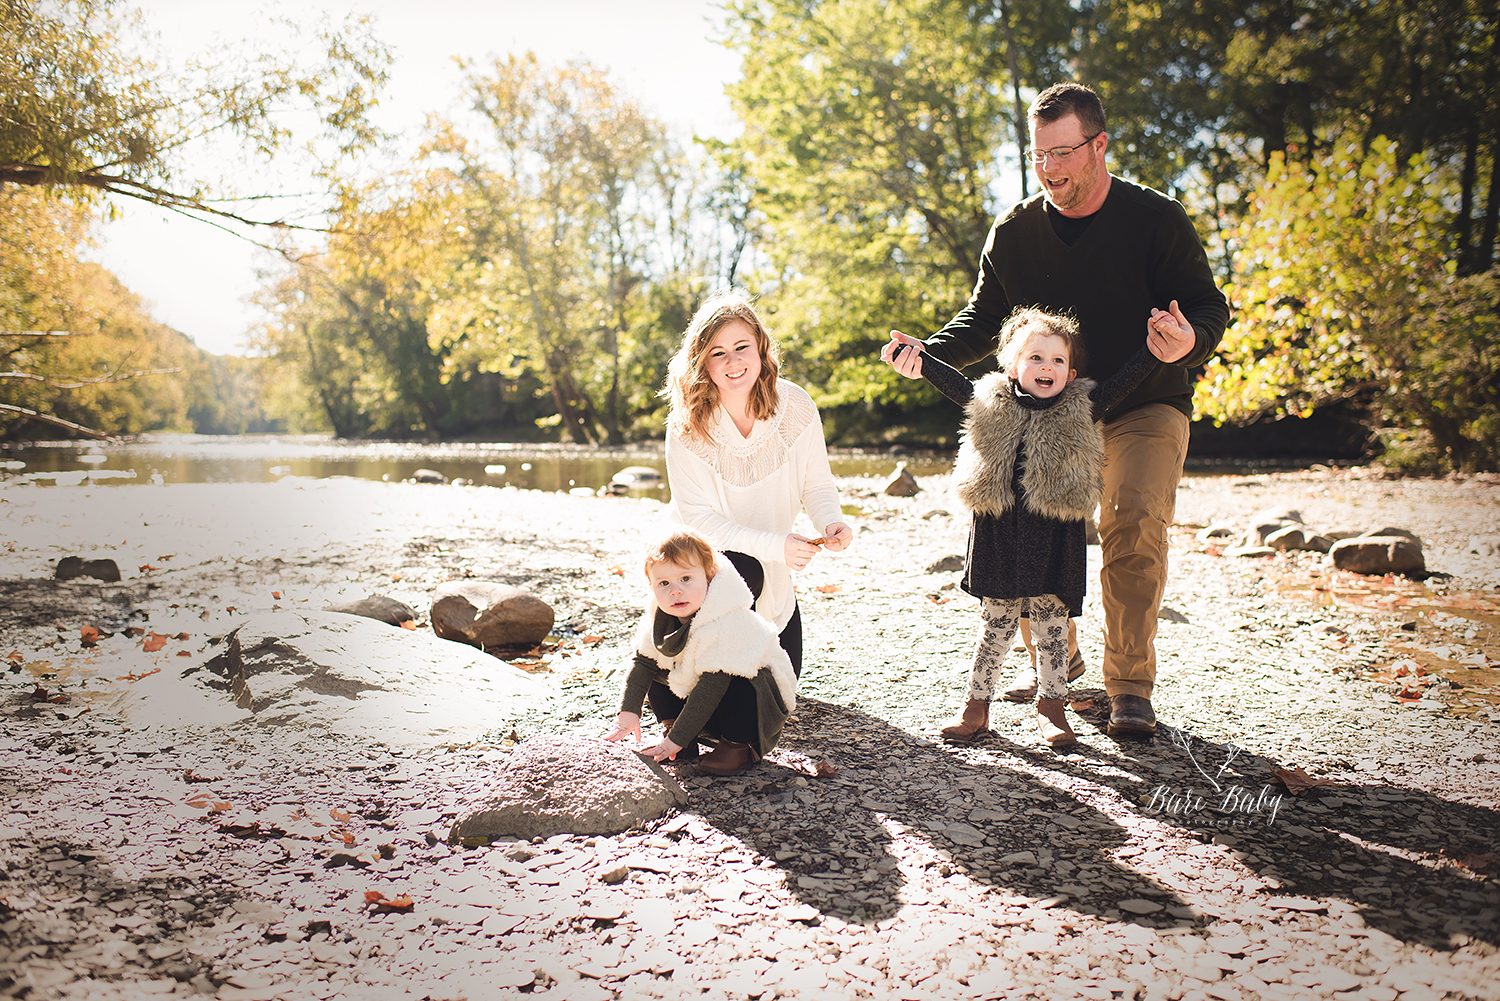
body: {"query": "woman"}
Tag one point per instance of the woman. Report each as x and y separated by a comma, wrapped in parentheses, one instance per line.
(745, 454)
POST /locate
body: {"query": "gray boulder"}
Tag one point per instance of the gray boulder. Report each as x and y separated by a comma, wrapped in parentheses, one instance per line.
(901, 483)
(637, 476)
(570, 785)
(1267, 523)
(377, 607)
(428, 476)
(487, 614)
(1379, 554)
(947, 564)
(1388, 530)
(1298, 537)
(1219, 532)
(70, 567)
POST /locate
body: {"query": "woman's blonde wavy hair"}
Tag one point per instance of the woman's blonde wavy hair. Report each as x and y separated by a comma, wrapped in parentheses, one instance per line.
(693, 394)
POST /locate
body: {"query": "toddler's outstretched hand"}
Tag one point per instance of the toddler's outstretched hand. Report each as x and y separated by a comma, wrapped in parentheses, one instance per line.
(664, 751)
(625, 725)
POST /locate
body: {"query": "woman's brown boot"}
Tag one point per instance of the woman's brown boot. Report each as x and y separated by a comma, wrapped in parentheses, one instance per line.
(973, 722)
(1052, 720)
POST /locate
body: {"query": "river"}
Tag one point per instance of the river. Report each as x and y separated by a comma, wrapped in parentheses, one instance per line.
(266, 458)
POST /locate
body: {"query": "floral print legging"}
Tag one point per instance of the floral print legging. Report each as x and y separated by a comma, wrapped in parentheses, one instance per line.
(1049, 630)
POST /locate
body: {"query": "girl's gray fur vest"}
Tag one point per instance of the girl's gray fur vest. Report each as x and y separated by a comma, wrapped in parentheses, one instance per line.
(1064, 469)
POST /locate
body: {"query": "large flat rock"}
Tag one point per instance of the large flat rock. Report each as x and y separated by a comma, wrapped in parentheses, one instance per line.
(342, 673)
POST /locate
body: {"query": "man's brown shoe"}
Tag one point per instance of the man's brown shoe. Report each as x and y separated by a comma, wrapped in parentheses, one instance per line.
(972, 723)
(1131, 715)
(728, 758)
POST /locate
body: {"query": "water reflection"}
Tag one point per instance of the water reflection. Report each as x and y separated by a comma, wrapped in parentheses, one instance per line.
(267, 458)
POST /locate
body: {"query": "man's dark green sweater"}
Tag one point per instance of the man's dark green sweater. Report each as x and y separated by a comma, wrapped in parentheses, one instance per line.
(1137, 252)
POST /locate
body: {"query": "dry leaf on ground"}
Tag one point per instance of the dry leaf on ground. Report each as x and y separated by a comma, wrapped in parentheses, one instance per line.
(1298, 781)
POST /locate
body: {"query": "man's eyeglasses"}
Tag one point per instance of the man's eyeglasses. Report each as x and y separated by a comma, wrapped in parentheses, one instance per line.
(1059, 154)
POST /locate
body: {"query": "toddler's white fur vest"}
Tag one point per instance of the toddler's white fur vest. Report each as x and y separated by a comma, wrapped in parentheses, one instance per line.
(1064, 474)
(726, 636)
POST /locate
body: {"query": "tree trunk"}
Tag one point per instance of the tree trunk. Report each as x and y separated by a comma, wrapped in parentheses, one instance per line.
(1023, 134)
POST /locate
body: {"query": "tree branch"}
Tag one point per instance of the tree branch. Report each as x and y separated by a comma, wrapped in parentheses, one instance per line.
(79, 428)
(22, 173)
(116, 377)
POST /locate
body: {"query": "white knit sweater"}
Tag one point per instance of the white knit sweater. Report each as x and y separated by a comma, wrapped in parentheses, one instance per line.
(744, 493)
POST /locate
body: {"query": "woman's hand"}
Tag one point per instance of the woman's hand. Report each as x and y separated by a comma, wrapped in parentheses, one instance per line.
(625, 725)
(799, 551)
(837, 536)
(665, 751)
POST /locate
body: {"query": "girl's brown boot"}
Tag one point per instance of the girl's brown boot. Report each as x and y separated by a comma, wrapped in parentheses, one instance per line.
(973, 722)
(1052, 720)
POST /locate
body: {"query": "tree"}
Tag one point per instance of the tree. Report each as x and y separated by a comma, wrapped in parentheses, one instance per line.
(351, 324)
(872, 132)
(567, 207)
(82, 110)
(1347, 290)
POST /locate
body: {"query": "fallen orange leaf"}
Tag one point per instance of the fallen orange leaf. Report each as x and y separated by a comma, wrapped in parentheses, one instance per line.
(138, 677)
(154, 642)
(591, 640)
(339, 815)
(88, 635)
(617, 570)
(825, 770)
(276, 595)
(378, 899)
(409, 624)
(1487, 860)
(1298, 781)
(147, 568)
(828, 588)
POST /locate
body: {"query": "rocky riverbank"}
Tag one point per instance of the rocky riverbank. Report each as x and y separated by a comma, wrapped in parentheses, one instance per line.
(147, 855)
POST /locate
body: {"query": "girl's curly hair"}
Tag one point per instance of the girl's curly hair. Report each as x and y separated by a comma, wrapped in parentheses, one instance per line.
(1026, 319)
(693, 394)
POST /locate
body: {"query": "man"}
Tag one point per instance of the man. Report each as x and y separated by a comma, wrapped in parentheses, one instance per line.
(1117, 256)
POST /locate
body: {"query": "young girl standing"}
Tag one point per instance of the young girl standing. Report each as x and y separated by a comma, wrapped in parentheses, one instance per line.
(745, 455)
(1030, 469)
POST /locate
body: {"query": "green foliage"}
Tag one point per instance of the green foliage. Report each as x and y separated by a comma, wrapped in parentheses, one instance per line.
(871, 131)
(574, 224)
(86, 106)
(1346, 290)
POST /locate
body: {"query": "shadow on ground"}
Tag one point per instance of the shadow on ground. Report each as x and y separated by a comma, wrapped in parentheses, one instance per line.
(1015, 820)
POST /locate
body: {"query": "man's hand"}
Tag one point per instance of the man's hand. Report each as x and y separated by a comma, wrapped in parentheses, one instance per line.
(1168, 334)
(904, 354)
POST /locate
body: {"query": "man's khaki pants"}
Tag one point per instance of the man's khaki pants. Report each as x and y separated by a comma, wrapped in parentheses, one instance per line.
(1143, 455)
